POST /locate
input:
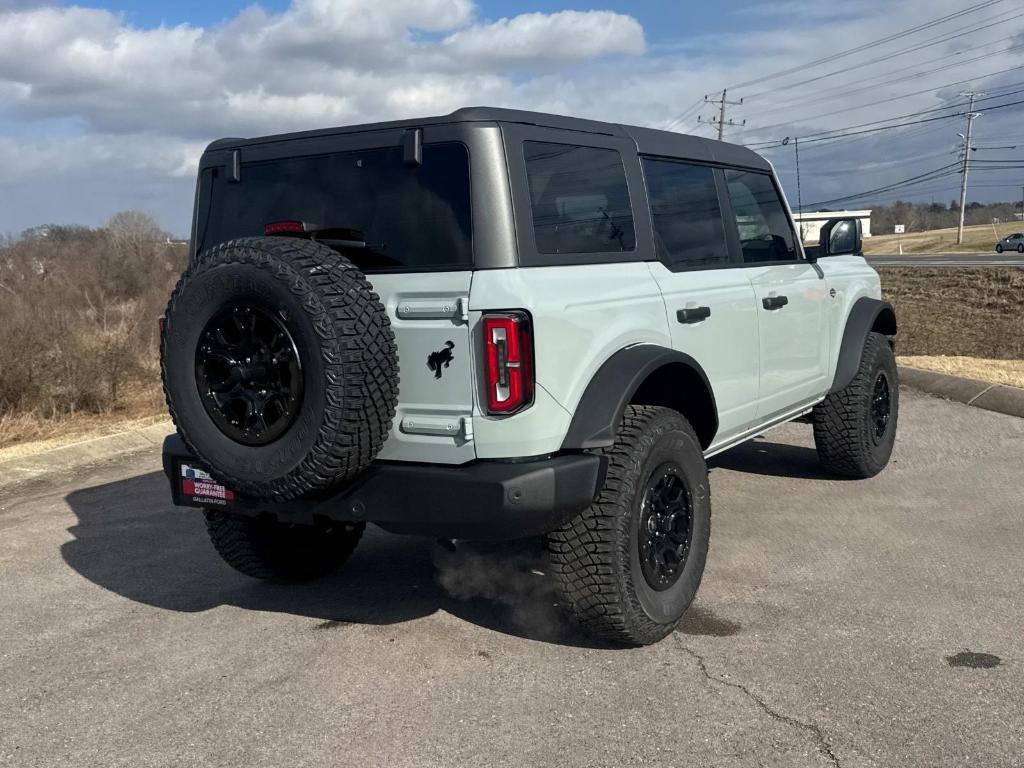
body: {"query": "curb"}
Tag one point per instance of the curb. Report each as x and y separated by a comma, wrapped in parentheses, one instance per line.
(1000, 398)
(75, 455)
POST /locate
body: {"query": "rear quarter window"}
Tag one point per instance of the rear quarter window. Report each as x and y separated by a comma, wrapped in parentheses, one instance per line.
(579, 199)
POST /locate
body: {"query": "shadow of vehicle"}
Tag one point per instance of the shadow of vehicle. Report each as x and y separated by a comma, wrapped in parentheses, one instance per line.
(762, 457)
(130, 540)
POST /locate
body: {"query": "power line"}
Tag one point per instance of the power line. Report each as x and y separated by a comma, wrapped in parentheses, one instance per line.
(840, 92)
(932, 175)
(910, 114)
(868, 46)
(816, 137)
(683, 115)
(920, 46)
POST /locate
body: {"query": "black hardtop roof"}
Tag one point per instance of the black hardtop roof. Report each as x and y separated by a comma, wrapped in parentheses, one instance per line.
(649, 141)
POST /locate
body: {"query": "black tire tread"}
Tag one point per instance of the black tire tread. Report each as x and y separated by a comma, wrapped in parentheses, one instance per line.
(358, 350)
(587, 555)
(840, 421)
(266, 549)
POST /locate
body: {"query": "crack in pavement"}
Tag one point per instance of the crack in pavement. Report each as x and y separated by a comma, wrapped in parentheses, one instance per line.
(823, 745)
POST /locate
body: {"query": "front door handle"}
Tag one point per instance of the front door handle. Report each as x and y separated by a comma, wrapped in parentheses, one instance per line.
(693, 314)
(774, 302)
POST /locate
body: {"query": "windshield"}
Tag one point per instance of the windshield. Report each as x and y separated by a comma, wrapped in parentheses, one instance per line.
(416, 217)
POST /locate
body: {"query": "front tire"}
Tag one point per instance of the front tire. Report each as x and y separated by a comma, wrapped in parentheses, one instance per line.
(269, 550)
(855, 428)
(629, 566)
(999, 249)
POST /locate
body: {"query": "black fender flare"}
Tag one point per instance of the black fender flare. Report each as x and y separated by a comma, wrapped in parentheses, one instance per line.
(612, 387)
(866, 314)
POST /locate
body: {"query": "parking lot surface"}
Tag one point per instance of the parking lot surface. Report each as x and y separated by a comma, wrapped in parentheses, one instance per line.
(840, 623)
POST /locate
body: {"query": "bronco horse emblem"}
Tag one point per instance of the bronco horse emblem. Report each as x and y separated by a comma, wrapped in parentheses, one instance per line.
(436, 361)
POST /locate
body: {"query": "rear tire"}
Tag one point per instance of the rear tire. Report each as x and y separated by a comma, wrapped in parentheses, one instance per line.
(269, 550)
(855, 428)
(1020, 248)
(628, 567)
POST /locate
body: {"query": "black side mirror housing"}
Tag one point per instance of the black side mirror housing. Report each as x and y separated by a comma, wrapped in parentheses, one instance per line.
(841, 237)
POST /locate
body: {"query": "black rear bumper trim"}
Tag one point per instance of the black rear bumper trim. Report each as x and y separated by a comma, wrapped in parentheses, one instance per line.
(479, 500)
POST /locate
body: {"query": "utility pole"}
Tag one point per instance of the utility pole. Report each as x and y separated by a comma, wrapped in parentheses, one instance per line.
(971, 115)
(720, 122)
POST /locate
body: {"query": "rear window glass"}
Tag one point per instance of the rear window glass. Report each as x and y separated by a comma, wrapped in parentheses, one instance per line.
(579, 197)
(410, 217)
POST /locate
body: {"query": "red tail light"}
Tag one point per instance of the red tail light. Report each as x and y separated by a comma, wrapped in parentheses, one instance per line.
(284, 227)
(508, 347)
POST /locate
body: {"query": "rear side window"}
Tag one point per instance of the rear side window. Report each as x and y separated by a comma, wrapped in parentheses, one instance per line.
(410, 217)
(579, 197)
(688, 228)
(764, 228)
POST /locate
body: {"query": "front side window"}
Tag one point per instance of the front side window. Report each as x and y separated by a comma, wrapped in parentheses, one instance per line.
(764, 229)
(579, 198)
(688, 228)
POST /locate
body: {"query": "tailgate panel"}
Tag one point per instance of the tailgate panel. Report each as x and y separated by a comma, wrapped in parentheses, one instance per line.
(429, 314)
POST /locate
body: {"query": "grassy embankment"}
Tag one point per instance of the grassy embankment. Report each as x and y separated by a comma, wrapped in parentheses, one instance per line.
(976, 238)
(968, 322)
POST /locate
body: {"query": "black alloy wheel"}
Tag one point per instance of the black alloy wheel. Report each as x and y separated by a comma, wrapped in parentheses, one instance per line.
(665, 527)
(881, 407)
(249, 374)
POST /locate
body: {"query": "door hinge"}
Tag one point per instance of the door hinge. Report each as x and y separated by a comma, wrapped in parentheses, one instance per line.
(434, 309)
(442, 426)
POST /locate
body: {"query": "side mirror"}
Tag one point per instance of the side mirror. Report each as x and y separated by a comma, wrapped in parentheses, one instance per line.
(841, 237)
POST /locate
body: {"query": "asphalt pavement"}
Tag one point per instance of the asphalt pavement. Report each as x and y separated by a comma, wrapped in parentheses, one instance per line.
(840, 623)
(983, 259)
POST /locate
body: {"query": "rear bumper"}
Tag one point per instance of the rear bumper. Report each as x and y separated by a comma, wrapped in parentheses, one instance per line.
(480, 500)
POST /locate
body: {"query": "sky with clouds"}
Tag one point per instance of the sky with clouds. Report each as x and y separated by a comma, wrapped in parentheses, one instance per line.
(106, 107)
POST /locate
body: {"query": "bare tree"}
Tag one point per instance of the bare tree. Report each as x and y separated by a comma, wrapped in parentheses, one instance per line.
(134, 231)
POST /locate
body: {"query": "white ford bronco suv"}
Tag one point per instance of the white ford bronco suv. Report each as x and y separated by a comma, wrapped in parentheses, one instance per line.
(500, 324)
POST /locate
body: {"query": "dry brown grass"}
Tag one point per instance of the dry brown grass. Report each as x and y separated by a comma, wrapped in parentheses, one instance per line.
(976, 312)
(976, 238)
(1009, 372)
(78, 313)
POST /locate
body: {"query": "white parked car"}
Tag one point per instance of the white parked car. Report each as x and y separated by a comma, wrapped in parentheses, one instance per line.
(499, 324)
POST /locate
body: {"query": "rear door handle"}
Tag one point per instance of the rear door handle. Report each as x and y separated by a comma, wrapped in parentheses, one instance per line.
(774, 302)
(693, 314)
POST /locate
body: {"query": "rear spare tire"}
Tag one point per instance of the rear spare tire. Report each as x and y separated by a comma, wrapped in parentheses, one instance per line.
(279, 366)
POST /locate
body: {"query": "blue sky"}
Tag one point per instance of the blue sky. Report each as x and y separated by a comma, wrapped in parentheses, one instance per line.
(664, 21)
(118, 110)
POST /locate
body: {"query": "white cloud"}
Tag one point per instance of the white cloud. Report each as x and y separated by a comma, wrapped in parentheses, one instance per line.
(321, 62)
(147, 100)
(538, 39)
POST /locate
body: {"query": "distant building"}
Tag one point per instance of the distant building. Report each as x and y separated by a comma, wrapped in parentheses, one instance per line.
(810, 222)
